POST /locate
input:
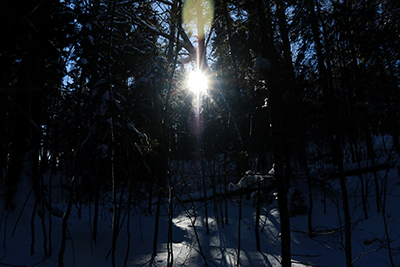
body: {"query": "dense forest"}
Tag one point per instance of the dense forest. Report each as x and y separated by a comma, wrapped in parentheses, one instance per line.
(96, 107)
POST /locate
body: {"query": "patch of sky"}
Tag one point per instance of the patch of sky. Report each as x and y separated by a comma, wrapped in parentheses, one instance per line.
(69, 65)
(130, 81)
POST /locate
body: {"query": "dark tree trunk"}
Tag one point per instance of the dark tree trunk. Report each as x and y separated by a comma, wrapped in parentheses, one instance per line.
(333, 124)
(33, 228)
(96, 210)
(205, 194)
(157, 220)
(310, 204)
(239, 228)
(257, 222)
(225, 191)
(64, 226)
(128, 223)
(3, 134)
(18, 148)
(172, 27)
(170, 259)
(347, 218)
(277, 108)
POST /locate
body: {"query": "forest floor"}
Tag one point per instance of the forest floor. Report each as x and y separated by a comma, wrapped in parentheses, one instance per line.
(219, 247)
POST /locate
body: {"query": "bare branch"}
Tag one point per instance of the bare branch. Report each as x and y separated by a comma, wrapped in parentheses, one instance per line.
(165, 2)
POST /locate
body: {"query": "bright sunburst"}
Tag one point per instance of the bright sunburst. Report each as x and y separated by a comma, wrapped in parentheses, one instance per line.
(197, 82)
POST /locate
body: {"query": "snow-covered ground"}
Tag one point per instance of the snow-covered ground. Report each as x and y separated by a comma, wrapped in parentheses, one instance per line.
(220, 246)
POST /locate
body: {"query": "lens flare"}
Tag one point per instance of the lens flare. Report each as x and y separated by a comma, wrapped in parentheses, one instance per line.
(197, 16)
(197, 82)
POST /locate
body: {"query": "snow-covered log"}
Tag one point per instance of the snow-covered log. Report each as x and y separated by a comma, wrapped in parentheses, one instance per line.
(249, 180)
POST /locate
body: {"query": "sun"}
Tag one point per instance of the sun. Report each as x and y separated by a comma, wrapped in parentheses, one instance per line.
(197, 82)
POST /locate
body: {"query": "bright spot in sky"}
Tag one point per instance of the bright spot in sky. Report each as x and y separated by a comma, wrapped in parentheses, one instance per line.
(197, 82)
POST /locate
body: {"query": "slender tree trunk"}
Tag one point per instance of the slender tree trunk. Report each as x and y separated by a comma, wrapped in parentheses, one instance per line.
(120, 205)
(162, 172)
(363, 197)
(239, 228)
(310, 205)
(49, 214)
(150, 199)
(43, 220)
(214, 189)
(221, 200)
(4, 108)
(225, 191)
(277, 104)
(283, 211)
(115, 222)
(33, 228)
(170, 259)
(371, 157)
(172, 28)
(257, 222)
(160, 193)
(393, 93)
(96, 210)
(18, 147)
(128, 222)
(193, 222)
(334, 126)
(205, 195)
(347, 218)
(65, 225)
(377, 192)
(383, 205)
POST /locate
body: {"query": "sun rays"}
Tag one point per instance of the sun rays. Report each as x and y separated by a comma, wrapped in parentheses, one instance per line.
(197, 82)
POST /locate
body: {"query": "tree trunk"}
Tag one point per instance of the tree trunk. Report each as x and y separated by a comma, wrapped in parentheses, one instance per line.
(3, 134)
(283, 211)
(49, 214)
(18, 145)
(128, 223)
(33, 228)
(347, 218)
(310, 205)
(385, 222)
(257, 222)
(277, 109)
(43, 220)
(96, 210)
(155, 239)
(225, 191)
(65, 225)
(170, 259)
(333, 124)
(205, 194)
(172, 28)
(115, 221)
(239, 227)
